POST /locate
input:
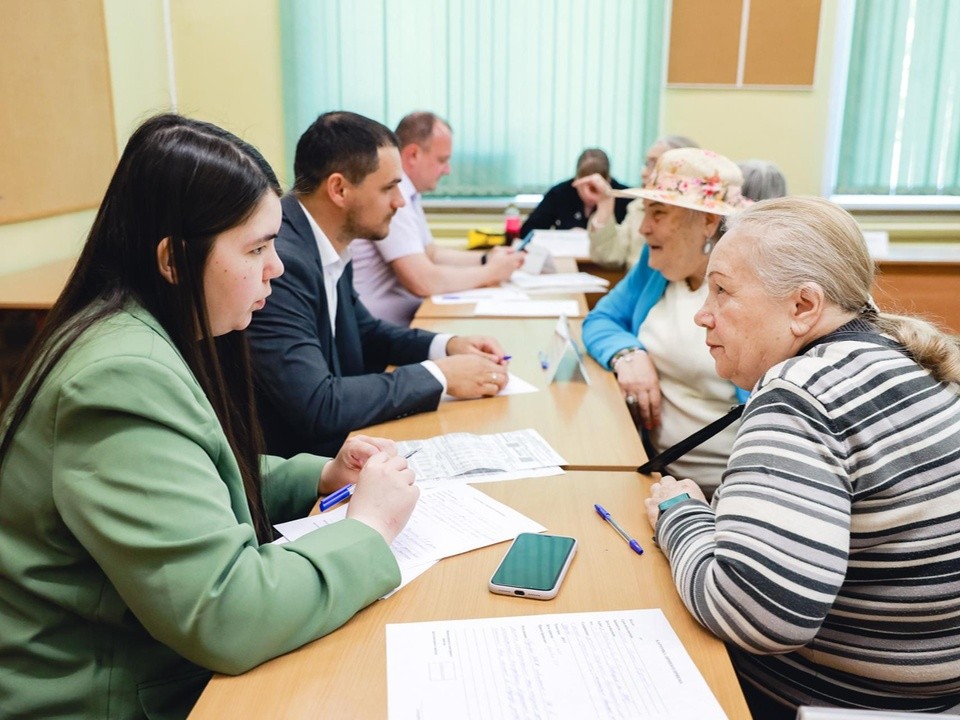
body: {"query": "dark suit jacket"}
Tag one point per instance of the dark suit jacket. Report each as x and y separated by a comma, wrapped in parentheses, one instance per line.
(313, 390)
(562, 209)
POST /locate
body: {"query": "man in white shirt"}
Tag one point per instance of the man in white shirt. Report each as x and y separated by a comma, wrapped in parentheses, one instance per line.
(393, 275)
(319, 355)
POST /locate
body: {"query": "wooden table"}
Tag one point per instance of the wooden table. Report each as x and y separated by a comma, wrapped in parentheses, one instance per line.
(588, 424)
(926, 287)
(343, 675)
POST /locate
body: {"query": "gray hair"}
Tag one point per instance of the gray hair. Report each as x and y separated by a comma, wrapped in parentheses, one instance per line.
(762, 180)
(810, 241)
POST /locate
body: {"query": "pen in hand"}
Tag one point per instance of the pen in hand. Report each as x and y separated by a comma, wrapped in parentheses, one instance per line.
(634, 545)
(338, 496)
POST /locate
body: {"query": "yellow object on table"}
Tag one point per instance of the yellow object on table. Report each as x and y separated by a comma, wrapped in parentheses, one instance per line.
(477, 239)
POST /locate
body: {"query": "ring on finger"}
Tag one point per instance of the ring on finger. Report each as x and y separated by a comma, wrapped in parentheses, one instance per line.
(631, 400)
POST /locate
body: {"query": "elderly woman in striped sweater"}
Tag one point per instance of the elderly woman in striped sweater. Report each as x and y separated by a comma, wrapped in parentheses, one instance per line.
(828, 561)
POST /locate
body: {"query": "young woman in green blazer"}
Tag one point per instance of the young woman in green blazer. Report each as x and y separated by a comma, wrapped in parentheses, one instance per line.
(135, 506)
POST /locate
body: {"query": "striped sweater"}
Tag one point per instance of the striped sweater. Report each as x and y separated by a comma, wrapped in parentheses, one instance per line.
(830, 560)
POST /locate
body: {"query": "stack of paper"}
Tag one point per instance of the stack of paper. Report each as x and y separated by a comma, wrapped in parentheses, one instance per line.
(560, 282)
(447, 521)
(482, 458)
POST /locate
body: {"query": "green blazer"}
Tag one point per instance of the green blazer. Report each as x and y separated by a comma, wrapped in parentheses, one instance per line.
(129, 567)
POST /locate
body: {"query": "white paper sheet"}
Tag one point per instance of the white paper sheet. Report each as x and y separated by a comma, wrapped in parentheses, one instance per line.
(573, 243)
(463, 455)
(471, 296)
(527, 308)
(516, 385)
(409, 573)
(447, 520)
(556, 282)
(619, 665)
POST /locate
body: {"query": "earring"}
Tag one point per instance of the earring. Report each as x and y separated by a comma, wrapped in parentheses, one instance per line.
(707, 246)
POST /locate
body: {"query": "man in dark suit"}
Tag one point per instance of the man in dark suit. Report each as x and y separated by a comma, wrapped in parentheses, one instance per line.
(318, 353)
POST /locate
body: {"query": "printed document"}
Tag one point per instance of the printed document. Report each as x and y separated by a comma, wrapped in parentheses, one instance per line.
(463, 455)
(446, 521)
(619, 665)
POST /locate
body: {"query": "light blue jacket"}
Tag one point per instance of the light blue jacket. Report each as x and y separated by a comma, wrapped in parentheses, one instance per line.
(615, 322)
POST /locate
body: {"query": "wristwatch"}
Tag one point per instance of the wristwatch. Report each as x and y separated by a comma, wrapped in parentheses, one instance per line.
(670, 502)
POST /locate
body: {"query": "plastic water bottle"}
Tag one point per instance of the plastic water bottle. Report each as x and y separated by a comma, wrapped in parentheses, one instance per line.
(511, 223)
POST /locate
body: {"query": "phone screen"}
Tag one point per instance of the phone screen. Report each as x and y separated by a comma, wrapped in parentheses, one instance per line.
(534, 561)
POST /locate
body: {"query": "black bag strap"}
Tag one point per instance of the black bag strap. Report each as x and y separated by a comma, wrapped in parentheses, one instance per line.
(658, 463)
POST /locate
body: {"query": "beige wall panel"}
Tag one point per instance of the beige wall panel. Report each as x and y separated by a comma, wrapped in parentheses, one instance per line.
(56, 113)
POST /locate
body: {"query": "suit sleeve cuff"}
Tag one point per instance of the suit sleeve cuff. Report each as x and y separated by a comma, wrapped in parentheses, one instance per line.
(437, 373)
(438, 349)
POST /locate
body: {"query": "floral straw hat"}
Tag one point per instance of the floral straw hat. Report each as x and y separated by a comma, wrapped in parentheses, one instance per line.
(695, 179)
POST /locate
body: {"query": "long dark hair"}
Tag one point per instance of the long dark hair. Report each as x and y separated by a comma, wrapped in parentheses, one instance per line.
(188, 181)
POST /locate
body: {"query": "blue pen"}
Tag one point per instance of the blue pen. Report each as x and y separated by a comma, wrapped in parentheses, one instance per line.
(506, 357)
(544, 362)
(634, 545)
(338, 496)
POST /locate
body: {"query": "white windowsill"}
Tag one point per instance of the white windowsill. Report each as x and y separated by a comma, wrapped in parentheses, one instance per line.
(906, 203)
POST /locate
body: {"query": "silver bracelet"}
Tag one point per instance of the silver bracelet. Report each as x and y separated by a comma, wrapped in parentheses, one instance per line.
(625, 355)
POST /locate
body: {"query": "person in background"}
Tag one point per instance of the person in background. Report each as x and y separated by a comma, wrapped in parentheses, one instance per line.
(827, 560)
(565, 206)
(136, 509)
(618, 244)
(392, 275)
(762, 180)
(643, 329)
(319, 354)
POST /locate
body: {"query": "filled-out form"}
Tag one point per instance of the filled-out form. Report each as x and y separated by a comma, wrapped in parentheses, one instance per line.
(620, 665)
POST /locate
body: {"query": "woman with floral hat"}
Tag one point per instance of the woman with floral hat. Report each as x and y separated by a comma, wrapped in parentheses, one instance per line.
(643, 330)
